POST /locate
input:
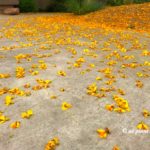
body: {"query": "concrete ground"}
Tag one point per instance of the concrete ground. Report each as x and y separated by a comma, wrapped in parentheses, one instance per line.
(75, 127)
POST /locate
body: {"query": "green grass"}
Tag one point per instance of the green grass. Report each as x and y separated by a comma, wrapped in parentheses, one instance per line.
(28, 6)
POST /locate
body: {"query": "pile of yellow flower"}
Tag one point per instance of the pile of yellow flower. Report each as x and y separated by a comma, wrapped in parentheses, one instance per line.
(41, 84)
(17, 91)
(122, 105)
(21, 56)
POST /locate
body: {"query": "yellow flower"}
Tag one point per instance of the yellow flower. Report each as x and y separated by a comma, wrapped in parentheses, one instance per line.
(116, 148)
(9, 100)
(42, 84)
(61, 73)
(92, 65)
(34, 73)
(142, 126)
(43, 66)
(111, 63)
(139, 84)
(109, 107)
(146, 113)
(3, 118)
(139, 74)
(4, 75)
(121, 92)
(122, 103)
(53, 97)
(80, 60)
(27, 85)
(92, 89)
(3, 91)
(98, 78)
(15, 125)
(77, 65)
(86, 50)
(51, 145)
(20, 72)
(27, 114)
(65, 106)
(145, 53)
(119, 110)
(103, 133)
(17, 91)
(62, 89)
(41, 61)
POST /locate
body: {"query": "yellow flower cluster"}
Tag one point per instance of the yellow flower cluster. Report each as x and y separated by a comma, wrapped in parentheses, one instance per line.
(122, 105)
(17, 91)
(41, 84)
(21, 56)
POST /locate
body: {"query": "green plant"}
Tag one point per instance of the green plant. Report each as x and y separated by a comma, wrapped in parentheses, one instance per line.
(83, 6)
(141, 1)
(28, 6)
(115, 2)
(121, 2)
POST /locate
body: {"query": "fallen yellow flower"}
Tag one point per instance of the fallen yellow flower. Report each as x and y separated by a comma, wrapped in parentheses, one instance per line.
(20, 72)
(4, 75)
(53, 97)
(15, 125)
(9, 100)
(109, 107)
(61, 73)
(65, 106)
(116, 148)
(3, 118)
(27, 114)
(103, 133)
(51, 145)
(146, 113)
(142, 126)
